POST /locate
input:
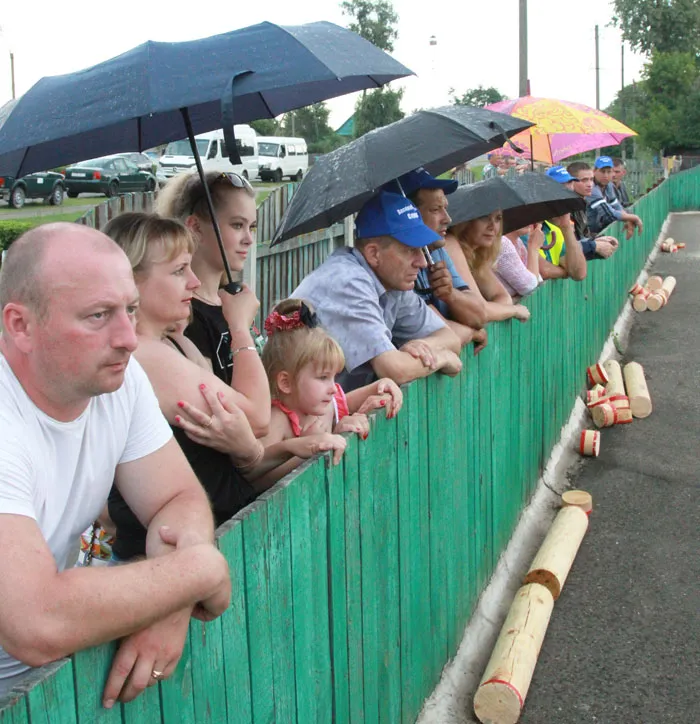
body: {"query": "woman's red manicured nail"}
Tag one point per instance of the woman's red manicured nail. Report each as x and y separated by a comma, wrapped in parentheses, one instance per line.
(178, 418)
(202, 387)
(382, 403)
(180, 404)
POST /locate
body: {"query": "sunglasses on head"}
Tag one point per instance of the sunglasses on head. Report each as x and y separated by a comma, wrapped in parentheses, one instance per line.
(235, 179)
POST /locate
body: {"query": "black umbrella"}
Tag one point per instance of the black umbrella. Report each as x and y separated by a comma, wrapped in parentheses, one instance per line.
(524, 200)
(340, 182)
(160, 92)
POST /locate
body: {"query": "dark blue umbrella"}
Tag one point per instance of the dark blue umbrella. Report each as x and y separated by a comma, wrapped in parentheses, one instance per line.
(132, 102)
(160, 92)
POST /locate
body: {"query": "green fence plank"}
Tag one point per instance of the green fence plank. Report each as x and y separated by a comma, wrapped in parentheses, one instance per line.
(281, 604)
(234, 627)
(91, 668)
(51, 695)
(145, 709)
(176, 694)
(13, 709)
(335, 491)
(353, 580)
(208, 678)
(255, 542)
(382, 445)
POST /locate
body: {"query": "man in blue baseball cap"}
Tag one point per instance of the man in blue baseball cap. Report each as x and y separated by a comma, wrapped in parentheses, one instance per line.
(600, 248)
(363, 297)
(603, 205)
(440, 285)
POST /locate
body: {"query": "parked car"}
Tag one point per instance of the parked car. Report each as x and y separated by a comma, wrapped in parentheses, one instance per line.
(110, 175)
(46, 185)
(142, 160)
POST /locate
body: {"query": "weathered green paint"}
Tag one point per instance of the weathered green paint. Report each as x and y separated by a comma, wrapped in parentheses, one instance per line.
(352, 584)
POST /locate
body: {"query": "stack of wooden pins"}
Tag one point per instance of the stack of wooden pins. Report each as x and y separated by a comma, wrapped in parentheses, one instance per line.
(501, 694)
(579, 498)
(669, 246)
(654, 283)
(615, 384)
(595, 393)
(590, 443)
(660, 298)
(640, 400)
(604, 415)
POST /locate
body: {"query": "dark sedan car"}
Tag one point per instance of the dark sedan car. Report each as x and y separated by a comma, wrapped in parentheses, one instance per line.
(111, 175)
(45, 185)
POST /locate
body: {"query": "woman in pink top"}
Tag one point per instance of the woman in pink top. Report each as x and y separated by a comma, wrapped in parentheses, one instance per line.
(517, 265)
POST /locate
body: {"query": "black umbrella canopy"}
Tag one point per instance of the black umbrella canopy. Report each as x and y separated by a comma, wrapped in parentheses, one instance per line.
(524, 200)
(340, 182)
(132, 102)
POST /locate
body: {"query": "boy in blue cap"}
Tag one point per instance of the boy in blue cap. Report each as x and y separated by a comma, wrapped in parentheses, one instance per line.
(600, 248)
(603, 205)
(440, 285)
(363, 297)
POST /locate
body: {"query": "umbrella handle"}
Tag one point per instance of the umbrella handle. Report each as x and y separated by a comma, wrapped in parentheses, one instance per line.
(231, 287)
(500, 129)
(227, 120)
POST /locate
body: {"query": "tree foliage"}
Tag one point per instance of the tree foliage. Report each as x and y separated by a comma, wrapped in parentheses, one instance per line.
(266, 127)
(663, 107)
(377, 108)
(374, 20)
(664, 26)
(478, 96)
(311, 123)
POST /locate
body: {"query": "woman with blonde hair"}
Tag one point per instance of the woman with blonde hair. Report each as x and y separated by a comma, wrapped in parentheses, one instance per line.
(221, 322)
(474, 246)
(216, 437)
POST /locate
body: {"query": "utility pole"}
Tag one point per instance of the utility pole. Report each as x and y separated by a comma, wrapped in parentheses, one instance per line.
(622, 91)
(597, 68)
(12, 73)
(523, 86)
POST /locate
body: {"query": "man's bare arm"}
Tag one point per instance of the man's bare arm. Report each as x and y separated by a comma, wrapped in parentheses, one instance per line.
(130, 597)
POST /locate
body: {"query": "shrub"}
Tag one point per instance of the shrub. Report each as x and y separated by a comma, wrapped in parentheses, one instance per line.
(11, 230)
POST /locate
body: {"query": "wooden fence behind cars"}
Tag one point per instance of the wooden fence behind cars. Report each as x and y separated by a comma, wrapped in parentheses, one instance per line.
(351, 585)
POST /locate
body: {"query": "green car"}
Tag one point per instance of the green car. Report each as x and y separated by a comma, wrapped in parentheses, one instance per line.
(46, 185)
(110, 175)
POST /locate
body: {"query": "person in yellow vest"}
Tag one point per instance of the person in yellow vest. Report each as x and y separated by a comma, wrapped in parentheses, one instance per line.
(561, 255)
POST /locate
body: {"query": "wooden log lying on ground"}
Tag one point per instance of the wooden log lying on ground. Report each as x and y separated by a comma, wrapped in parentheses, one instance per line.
(654, 283)
(624, 417)
(504, 686)
(604, 415)
(597, 375)
(590, 443)
(553, 561)
(639, 303)
(638, 392)
(615, 385)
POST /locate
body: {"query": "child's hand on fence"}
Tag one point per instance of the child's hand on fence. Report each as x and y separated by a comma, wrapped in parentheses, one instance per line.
(310, 445)
(357, 422)
(388, 396)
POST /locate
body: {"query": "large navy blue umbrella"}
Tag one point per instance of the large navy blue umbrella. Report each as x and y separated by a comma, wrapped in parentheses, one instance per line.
(132, 102)
(160, 92)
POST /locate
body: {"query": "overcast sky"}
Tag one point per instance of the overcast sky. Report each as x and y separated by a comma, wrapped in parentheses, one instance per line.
(477, 41)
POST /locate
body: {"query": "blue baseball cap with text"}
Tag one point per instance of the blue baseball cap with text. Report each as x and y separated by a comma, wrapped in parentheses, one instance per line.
(603, 162)
(560, 174)
(420, 179)
(390, 214)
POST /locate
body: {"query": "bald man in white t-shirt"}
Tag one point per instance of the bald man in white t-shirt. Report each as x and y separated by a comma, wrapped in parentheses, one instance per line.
(77, 413)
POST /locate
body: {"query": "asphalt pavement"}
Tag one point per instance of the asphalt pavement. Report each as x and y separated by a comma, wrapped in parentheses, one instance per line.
(623, 644)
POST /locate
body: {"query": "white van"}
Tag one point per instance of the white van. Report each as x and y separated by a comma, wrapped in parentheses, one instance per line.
(280, 156)
(212, 150)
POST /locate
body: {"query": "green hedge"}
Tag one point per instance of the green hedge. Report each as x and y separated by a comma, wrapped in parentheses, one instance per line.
(10, 230)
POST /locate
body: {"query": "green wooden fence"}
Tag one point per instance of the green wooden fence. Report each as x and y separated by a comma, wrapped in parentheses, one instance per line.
(352, 584)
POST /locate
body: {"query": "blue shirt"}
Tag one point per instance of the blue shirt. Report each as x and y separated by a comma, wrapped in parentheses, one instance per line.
(423, 283)
(602, 208)
(366, 319)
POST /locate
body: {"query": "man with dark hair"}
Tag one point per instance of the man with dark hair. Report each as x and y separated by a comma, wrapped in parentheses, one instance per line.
(601, 247)
(364, 298)
(603, 205)
(440, 285)
(77, 414)
(618, 176)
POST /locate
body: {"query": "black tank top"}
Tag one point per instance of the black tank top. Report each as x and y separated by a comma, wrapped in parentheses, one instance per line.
(227, 489)
(210, 334)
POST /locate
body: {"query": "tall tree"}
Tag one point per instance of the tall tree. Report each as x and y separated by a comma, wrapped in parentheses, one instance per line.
(376, 109)
(266, 127)
(663, 25)
(311, 123)
(374, 20)
(478, 96)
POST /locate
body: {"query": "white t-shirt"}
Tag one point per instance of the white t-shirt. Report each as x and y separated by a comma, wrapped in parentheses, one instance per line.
(60, 473)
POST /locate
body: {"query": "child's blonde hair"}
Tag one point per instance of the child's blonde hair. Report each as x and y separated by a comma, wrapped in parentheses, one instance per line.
(295, 341)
